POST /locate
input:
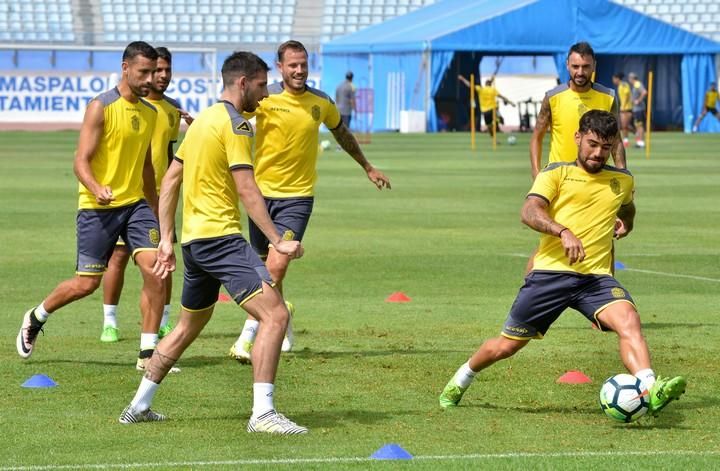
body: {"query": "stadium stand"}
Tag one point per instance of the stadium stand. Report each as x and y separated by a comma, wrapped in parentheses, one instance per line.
(698, 16)
(36, 22)
(347, 16)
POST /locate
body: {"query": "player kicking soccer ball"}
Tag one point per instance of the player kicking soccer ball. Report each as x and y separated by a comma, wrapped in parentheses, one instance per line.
(590, 203)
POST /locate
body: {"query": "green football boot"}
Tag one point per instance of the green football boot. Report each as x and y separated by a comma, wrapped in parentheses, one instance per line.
(163, 331)
(451, 395)
(664, 391)
(110, 335)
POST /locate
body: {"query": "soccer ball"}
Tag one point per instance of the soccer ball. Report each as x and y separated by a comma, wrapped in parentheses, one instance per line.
(512, 140)
(623, 399)
(325, 144)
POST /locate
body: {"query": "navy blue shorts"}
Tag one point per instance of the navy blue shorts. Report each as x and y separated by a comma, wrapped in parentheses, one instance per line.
(98, 231)
(545, 295)
(290, 216)
(229, 261)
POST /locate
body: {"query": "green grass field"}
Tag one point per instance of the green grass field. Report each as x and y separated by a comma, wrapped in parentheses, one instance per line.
(366, 372)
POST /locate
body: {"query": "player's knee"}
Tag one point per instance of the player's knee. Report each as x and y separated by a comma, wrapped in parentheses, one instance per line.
(86, 285)
(505, 348)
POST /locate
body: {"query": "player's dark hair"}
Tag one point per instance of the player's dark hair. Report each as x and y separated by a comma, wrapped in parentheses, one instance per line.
(163, 53)
(583, 48)
(602, 123)
(139, 48)
(619, 75)
(242, 63)
(291, 44)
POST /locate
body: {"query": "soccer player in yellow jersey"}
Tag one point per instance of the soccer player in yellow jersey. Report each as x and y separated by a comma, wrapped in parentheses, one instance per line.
(563, 105)
(578, 207)
(117, 191)
(488, 96)
(624, 94)
(165, 135)
(288, 123)
(214, 164)
(709, 105)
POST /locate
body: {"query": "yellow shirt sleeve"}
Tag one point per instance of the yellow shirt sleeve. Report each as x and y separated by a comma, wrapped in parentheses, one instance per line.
(546, 184)
(332, 116)
(238, 143)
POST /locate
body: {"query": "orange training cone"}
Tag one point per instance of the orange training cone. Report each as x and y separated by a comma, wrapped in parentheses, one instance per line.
(224, 298)
(574, 377)
(398, 297)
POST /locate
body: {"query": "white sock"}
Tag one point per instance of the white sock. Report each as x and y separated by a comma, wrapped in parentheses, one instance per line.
(166, 316)
(110, 312)
(41, 313)
(647, 378)
(249, 332)
(148, 341)
(262, 398)
(464, 376)
(144, 395)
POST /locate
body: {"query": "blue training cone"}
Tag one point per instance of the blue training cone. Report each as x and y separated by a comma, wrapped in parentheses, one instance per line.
(619, 265)
(39, 381)
(391, 452)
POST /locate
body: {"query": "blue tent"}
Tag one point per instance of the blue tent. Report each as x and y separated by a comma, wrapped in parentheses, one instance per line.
(408, 59)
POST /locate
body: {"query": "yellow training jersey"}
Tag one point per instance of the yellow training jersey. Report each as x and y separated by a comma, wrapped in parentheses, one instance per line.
(218, 142)
(566, 108)
(711, 97)
(287, 140)
(587, 204)
(488, 97)
(120, 155)
(625, 96)
(166, 133)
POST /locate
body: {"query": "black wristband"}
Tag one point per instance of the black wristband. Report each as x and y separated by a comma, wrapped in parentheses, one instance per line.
(561, 231)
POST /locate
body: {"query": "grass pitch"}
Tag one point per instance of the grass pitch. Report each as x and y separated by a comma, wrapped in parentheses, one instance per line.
(367, 373)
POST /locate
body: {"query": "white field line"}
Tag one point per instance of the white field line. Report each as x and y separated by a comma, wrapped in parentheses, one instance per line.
(649, 272)
(296, 461)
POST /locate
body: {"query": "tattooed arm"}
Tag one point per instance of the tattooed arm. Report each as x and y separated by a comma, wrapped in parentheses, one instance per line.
(347, 141)
(544, 120)
(534, 215)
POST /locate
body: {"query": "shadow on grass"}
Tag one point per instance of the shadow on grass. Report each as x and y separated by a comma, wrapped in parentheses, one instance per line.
(671, 418)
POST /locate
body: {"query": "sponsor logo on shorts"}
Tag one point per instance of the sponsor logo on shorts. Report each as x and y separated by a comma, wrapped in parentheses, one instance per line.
(516, 330)
(617, 293)
(154, 236)
(315, 112)
(615, 186)
(94, 266)
(135, 123)
(288, 235)
(240, 295)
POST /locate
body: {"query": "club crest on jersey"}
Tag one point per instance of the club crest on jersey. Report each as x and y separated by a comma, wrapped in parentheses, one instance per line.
(618, 293)
(582, 109)
(154, 236)
(135, 123)
(288, 235)
(315, 112)
(615, 186)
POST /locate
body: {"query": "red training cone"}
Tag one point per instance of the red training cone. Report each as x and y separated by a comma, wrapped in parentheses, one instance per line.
(398, 297)
(574, 377)
(224, 298)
